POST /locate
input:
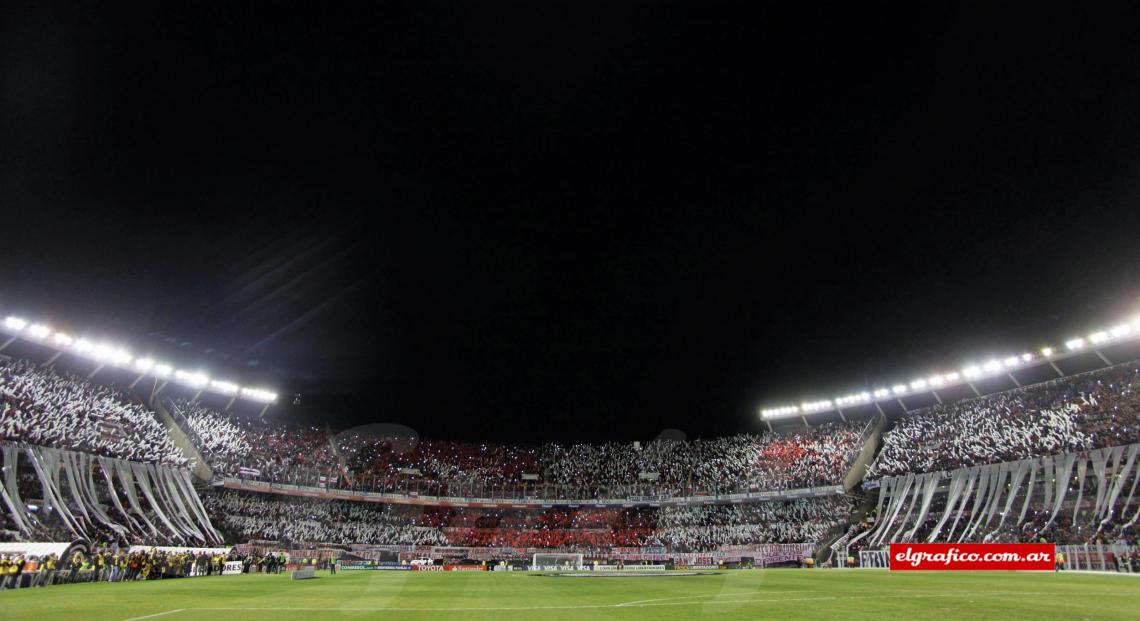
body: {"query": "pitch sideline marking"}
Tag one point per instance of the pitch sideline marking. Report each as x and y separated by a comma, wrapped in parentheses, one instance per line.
(157, 614)
(590, 606)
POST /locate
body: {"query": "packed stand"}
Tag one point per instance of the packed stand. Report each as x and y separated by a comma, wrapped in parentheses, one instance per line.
(42, 407)
(696, 528)
(244, 446)
(812, 457)
(291, 519)
(1067, 415)
(260, 450)
(295, 520)
(555, 528)
(446, 468)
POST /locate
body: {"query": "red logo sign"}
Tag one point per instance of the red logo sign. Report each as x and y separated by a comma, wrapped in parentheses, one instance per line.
(971, 556)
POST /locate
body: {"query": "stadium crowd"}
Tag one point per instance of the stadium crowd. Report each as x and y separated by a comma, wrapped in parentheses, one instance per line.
(307, 521)
(283, 518)
(286, 453)
(1070, 414)
(274, 451)
(40, 406)
(705, 527)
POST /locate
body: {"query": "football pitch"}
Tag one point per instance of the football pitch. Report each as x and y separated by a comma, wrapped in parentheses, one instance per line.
(764, 594)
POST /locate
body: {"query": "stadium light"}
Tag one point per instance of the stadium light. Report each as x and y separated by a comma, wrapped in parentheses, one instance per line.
(14, 323)
(110, 353)
(193, 379)
(224, 387)
(970, 372)
(815, 406)
(857, 398)
(258, 394)
(39, 331)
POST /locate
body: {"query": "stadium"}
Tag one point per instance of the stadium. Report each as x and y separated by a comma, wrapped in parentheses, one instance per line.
(188, 478)
(551, 312)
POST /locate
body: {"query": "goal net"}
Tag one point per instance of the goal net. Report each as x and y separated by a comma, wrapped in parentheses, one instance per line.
(557, 561)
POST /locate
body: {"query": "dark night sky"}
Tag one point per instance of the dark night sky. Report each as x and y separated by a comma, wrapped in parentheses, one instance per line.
(568, 221)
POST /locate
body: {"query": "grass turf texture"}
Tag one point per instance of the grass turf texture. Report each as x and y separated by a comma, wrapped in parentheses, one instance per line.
(472, 596)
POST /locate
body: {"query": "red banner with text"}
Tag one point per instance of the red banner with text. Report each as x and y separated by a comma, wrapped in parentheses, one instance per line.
(971, 556)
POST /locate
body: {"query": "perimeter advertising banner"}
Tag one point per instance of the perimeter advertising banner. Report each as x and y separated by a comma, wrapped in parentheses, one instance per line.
(971, 556)
(232, 568)
(371, 565)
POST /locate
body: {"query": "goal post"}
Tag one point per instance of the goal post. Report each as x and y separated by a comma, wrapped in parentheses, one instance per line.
(552, 561)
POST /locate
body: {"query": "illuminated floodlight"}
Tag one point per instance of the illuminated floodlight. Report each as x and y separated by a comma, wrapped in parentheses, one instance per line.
(815, 406)
(269, 397)
(995, 366)
(225, 387)
(83, 346)
(193, 379)
(39, 330)
(144, 364)
(163, 370)
(63, 339)
(14, 323)
(856, 398)
(111, 354)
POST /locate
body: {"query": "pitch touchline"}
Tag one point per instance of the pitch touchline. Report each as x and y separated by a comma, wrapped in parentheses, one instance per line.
(157, 614)
(588, 606)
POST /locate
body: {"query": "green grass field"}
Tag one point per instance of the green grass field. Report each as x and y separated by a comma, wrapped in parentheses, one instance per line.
(470, 596)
